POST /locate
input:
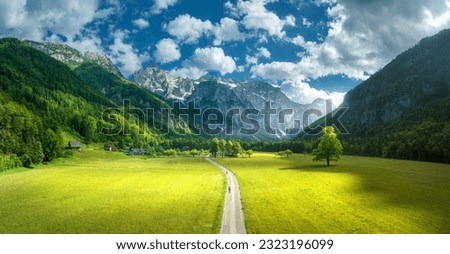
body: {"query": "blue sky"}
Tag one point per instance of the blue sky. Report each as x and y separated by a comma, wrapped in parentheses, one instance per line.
(310, 48)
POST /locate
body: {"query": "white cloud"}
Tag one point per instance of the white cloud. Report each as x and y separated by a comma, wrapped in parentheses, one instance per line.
(264, 52)
(160, 5)
(188, 72)
(251, 60)
(359, 41)
(438, 20)
(257, 17)
(167, 51)
(277, 70)
(306, 22)
(89, 42)
(33, 19)
(124, 55)
(188, 29)
(141, 23)
(213, 59)
(204, 60)
(302, 92)
(227, 30)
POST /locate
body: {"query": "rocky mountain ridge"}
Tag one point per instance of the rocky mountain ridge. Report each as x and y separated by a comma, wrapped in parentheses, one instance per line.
(74, 58)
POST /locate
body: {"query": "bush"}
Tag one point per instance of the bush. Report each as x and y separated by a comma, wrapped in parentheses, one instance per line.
(9, 161)
(26, 160)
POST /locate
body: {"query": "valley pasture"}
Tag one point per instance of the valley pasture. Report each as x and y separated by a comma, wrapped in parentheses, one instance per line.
(103, 192)
(355, 195)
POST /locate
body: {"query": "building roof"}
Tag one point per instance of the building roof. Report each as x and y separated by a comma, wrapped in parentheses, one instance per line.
(75, 144)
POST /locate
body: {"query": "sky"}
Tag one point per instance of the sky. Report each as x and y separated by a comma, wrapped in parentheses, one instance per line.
(310, 48)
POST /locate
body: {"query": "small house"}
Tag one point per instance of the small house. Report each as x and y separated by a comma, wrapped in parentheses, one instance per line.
(109, 147)
(136, 151)
(74, 145)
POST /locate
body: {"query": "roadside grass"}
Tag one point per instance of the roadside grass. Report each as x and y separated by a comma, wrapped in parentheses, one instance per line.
(104, 192)
(355, 195)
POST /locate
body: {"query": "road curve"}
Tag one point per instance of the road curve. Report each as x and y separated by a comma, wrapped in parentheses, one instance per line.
(233, 216)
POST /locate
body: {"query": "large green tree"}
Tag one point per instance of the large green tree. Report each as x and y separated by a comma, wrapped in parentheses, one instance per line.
(215, 147)
(329, 148)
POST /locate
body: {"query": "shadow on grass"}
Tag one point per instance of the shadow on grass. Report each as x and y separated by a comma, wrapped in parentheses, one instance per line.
(407, 185)
(317, 168)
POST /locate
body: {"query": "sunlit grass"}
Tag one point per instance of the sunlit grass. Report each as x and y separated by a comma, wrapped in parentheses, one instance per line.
(358, 195)
(101, 192)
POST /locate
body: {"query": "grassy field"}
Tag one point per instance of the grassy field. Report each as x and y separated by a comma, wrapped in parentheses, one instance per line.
(358, 195)
(101, 192)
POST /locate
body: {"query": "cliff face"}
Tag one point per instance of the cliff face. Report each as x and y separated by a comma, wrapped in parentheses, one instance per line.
(162, 83)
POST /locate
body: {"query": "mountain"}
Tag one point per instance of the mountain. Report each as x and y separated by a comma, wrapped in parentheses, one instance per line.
(402, 110)
(42, 100)
(226, 95)
(414, 78)
(162, 83)
(74, 58)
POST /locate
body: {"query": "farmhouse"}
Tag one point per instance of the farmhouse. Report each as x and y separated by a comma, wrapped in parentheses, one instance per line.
(74, 145)
(136, 151)
(109, 147)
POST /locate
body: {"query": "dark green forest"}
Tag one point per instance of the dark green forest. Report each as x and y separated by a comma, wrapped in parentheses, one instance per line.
(40, 98)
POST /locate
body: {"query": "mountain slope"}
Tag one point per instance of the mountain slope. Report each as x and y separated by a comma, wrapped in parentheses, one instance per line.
(43, 97)
(402, 110)
(72, 57)
(414, 78)
(226, 95)
(162, 83)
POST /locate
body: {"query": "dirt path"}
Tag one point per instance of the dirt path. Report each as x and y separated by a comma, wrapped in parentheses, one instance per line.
(233, 217)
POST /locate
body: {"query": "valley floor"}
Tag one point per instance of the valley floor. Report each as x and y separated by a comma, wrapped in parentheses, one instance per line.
(103, 192)
(356, 195)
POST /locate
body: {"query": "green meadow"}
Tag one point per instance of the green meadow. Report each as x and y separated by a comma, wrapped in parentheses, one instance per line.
(355, 195)
(102, 192)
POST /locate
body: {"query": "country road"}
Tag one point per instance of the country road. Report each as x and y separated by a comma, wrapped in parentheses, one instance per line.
(233, 216)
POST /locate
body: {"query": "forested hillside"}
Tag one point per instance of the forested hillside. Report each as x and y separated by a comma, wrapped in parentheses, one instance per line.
(42, 98)
(402, 111)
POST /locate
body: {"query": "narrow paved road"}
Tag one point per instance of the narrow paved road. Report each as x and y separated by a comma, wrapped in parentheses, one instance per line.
(233, 216)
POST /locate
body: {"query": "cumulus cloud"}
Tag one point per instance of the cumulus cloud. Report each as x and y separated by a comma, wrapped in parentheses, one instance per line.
(227, 30)
(141, 23)
(167, 51)
(257, 17)
(277, 71)
(264, 52)
(188, 72)
(160, 5)
(204, 60)
(188, 29)
(89, 42)
(358, 43)
(300, 91)
(124, 55)
(361, 41)
(34, 19)
(213, 59)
